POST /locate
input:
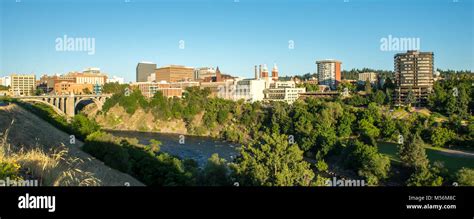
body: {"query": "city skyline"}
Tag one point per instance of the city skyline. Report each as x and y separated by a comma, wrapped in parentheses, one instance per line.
(218, 33)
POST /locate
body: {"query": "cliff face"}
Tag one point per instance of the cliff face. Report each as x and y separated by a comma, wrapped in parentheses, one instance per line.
(117, 119)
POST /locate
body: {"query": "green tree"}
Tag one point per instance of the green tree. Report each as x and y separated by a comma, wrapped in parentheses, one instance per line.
(412, 152)
(114, 88)
(388, 127)
(368, 87)
(344, 126)
(322, 166)
(366, 160)
(83, 125)
(465, 177)
(39, 92)
(440, 135)
(425, 176)
(271, 161)
(464, 99)
(410, 98)
(379, 97)
(451, 104)
(215, 173)
(368, 131)
(154, 146)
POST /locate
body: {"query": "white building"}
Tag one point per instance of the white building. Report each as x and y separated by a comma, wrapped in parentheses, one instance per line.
(151, 77)
(283, 91)
(204, 72)
(250, 90)
(116, 79)
(5, 81)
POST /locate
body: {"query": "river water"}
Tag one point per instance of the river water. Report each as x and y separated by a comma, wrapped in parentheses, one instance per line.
(184, 146)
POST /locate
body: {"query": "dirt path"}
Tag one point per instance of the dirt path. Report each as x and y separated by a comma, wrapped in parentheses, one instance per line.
(29, 131)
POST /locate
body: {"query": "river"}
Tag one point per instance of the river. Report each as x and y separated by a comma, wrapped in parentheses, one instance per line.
(193, 147)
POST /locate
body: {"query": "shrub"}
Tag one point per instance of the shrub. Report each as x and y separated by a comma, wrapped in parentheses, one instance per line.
(159, 169)
(465, 177)
(9, 170)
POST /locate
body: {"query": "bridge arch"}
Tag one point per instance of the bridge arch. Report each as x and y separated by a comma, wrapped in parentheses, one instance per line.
(56, 109)
(66, 104)
(97, 102)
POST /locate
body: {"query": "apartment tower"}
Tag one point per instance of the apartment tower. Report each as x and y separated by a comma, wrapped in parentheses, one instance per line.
(413, 77)
(329, 73)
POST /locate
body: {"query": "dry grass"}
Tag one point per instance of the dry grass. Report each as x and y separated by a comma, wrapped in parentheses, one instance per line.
(31, 133)
(51, 169)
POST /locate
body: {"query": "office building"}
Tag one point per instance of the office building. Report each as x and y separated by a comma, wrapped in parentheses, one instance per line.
(66, 88)
(184, 84)
(368, 76)
(329, 73)
(23, 85)
(144, 70)
(285, 91)
(174, 73)
(250, 90)
(204, 72)
(413, 77)
(87, 78)
(148, 89)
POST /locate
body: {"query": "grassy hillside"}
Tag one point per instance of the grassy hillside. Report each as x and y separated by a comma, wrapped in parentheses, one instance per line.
(40, 151)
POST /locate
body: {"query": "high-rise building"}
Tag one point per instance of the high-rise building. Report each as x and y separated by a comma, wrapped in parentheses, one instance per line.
(329, 73)
(23, 85)
(144, 70)
(413, 77)
(174, 73)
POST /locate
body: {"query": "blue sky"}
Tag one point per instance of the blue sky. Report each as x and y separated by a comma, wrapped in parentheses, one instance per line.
(232, 35)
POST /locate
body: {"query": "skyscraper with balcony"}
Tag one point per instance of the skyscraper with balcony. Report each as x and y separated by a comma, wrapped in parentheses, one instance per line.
(329, 73)
(413, 77)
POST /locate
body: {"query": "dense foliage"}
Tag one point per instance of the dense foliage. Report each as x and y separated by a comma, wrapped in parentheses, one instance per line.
(272, 161)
